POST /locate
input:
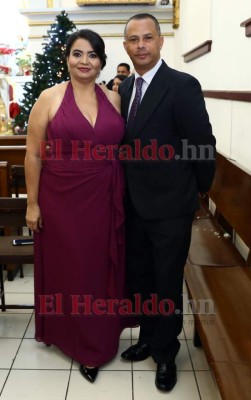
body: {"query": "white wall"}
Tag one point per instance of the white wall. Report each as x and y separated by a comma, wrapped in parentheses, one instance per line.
(197, 14)
(226, 67)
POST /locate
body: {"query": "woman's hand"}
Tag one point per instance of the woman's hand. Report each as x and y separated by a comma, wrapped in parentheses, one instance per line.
(33, 217)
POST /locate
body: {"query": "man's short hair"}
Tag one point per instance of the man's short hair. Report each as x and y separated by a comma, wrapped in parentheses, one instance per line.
(144, 16)
(127, 66)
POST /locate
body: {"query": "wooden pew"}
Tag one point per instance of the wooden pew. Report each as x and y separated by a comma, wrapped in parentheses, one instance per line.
(218, 279)
(211, 242)
(5, 183)
(13, 140)
(13, 154)
(18, 179)
(225, 330)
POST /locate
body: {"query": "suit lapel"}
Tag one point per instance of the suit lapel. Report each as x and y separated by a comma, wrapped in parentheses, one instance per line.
(153, 96)
(125, 101)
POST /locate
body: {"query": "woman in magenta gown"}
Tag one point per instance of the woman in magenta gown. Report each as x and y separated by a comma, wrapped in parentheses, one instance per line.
(75, 208)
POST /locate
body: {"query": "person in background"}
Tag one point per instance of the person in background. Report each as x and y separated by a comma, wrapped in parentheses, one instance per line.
(123, 69)
(75, 209)
(117, 81)
(109, 84)
(166, 115)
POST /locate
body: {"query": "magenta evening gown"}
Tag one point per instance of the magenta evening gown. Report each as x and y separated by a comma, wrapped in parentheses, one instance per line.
(79, 253)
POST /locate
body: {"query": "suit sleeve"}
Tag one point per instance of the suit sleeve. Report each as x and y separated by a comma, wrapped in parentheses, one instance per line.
(194, 128)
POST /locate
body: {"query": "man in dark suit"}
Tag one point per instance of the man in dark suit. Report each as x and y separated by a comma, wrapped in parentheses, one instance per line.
(163, 179)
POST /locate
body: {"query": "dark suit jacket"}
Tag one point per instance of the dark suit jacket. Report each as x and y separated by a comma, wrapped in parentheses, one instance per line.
(172, 112)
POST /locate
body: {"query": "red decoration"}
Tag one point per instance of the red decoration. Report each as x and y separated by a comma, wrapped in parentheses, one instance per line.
(14, 110)
(10, 93)
(4, 69)
(6, 50)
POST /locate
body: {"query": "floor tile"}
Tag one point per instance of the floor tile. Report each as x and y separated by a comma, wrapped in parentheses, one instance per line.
(36, 385)
(20, 285)
(19, 299)
(145, 365)
(4, 275)
(13, 325)
(207, 387)
(110, 385)
(144, 387)
(135, 333)
(28, 269)
(3, 376)
(30, 332)
(188, 326)
(187, 310)
(182, 335)
(117, 364)
(8, 350)
(34, 355)
(198, 357)
(17, 311)
(183, 360)
(126, 334)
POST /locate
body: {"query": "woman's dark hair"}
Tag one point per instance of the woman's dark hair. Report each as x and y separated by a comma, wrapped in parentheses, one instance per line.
(93, 38)
(109, 85)
(120, 77)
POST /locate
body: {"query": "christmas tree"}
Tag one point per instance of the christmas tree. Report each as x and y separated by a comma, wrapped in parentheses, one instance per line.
(48, 68)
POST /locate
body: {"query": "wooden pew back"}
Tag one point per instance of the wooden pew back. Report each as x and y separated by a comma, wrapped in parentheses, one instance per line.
(216, 273)
(5, 184)
(13, 211)
(231, 193)
(13, 140)
(13, 154)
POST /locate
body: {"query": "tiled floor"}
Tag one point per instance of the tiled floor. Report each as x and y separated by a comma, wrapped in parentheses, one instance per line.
(32, 371)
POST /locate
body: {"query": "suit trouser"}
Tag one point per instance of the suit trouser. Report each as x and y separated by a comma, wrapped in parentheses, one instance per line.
(156, 254)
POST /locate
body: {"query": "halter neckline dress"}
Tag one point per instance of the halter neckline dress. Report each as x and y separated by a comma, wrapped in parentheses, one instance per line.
(79, 252)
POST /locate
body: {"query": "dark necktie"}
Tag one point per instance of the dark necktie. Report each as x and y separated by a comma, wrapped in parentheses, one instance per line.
(136, 101)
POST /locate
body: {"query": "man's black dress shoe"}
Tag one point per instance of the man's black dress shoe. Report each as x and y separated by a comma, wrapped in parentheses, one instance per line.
(89, 373)
(166, 376)
(137, 352)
